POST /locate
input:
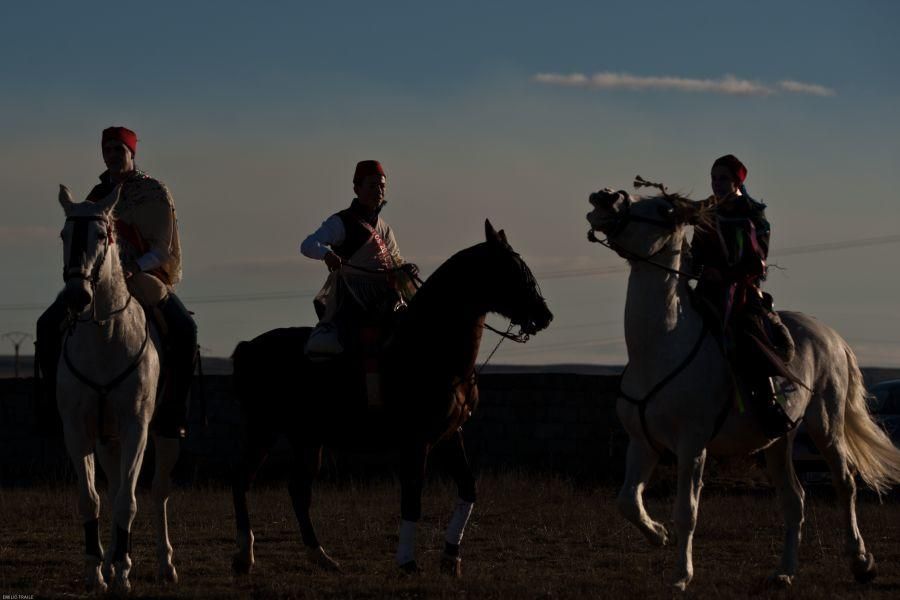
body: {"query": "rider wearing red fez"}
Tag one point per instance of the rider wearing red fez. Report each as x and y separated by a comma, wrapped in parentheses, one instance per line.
(729, 252)
(120, 134)
(147, 236)
(366, 281)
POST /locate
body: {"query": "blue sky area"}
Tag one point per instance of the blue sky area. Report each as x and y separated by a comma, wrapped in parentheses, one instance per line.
(254, 114)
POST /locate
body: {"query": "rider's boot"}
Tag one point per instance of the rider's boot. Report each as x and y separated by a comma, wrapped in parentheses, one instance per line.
(179, 362)
(775, 422)
(47, 350)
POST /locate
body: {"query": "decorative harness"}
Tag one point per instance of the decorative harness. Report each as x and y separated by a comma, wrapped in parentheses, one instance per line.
(78, 250)
(621, 223)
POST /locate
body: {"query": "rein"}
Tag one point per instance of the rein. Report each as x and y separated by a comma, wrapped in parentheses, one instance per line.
(637, 257)
(415, 278)
(103, 390)
(78, 248)
(641, 403)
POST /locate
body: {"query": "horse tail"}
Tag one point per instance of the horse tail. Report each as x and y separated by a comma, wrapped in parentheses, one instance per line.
(869, 449)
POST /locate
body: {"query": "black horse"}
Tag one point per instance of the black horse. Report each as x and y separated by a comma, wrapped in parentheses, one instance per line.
(429, 390)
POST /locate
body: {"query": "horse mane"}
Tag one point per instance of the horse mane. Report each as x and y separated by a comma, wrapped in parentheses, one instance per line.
(435, 286)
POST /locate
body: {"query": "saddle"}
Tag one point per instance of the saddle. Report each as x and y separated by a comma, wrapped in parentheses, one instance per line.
(756, 342)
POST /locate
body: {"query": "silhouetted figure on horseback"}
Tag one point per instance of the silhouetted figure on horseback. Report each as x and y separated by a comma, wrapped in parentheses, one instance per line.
(369, 282)
(729, 251)
(428, 386)
(146, 233)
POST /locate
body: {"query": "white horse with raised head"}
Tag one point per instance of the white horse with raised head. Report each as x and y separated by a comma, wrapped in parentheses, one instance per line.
(106, 392)
(676, 392)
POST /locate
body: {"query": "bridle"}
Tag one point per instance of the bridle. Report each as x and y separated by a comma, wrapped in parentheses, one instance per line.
(626, 218)
(77, 250)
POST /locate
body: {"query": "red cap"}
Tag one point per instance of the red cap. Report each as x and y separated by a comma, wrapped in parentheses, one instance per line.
(736, 167)
(122, 134)
(364, 168)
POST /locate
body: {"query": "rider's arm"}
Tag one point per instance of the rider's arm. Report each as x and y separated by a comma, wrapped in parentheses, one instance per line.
(329, 235)
(158, 228)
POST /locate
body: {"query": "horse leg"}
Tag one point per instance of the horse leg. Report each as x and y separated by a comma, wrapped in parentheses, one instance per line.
(640, 462)
(88, 509)
(687, 501)
(167, 450)
(253, 455)
(134, 442)
(831, 444)
(412, 482)
(790, 493)
(300, 488)
(457, 466)
(108, 453)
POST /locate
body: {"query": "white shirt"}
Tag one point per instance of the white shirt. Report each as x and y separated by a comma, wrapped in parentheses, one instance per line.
(332, 234)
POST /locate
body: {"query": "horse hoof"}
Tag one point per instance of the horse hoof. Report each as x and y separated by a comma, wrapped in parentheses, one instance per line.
(451, 565)
(864, 568)
(121, 587)
(410, 568)
(681, 584)
(320, 558)
(779, 581)
(95, 586)
(108, 570)
(167, 575)
(659, 537)
(240, 565)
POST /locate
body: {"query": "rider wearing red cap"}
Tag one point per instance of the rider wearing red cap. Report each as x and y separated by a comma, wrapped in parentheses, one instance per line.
(366, 281)
(729, 252)
(147, 236)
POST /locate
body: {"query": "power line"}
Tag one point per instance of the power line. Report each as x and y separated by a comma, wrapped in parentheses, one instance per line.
(561, 274)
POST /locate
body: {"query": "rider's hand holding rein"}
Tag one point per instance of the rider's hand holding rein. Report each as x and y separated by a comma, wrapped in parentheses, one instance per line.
(333, 261)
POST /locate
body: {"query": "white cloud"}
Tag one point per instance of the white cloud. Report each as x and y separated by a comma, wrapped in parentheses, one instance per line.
(728, 85)
(798, 87)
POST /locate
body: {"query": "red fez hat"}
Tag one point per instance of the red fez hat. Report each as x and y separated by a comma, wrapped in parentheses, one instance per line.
(364, 168)
(121, 134)
(735, 167)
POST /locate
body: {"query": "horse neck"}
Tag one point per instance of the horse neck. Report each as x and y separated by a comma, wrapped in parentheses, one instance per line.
(660, 322)
(110, 293)
(446, 321)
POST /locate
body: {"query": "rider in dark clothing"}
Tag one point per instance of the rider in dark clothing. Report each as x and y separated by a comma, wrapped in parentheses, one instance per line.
(729, 252)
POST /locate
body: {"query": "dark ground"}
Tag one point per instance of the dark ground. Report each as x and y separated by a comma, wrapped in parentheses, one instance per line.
(530, 537)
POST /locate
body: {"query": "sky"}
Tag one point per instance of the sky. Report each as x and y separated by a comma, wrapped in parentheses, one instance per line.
(254, 115)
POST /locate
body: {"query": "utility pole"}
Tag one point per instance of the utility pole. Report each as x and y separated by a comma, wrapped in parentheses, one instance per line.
(17, 337)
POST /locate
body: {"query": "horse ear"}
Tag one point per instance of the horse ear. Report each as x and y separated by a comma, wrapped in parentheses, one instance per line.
(489, 233)
(109, 203)
(502, 235)
(65, 199)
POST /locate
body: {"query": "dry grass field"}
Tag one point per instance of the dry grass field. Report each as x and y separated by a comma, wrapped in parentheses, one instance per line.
(530, 537)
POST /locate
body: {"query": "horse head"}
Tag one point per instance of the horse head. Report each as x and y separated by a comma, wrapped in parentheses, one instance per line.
(87, 236)
(644, 226)
(513, 289)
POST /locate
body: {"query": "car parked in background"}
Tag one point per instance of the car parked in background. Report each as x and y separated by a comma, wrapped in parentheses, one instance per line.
(884, 405)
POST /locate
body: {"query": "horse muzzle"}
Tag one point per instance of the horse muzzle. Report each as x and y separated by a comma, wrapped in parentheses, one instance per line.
(536, 323)
(77, 293)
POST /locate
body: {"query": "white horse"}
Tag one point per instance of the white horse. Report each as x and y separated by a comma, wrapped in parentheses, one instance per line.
(106, 391)
(666, 345)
